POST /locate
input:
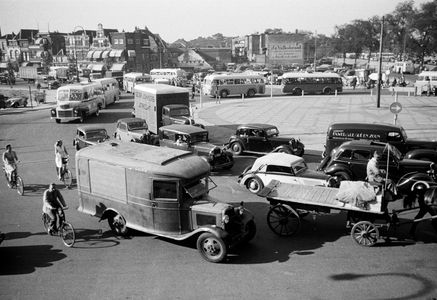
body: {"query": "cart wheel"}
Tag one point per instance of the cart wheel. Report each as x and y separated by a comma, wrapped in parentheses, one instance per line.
(282, 220)
(365, 233)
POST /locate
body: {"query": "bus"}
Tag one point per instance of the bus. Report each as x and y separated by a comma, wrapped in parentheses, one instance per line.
(177, 77)
(132, 79)
(111, 90)
(421, 85)
(310, 83)
(403, 67)
(224, 85)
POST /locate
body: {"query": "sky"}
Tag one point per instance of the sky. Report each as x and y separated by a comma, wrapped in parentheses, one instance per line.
(190, 19)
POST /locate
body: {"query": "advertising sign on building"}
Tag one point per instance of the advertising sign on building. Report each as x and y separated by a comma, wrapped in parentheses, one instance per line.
(285, 48)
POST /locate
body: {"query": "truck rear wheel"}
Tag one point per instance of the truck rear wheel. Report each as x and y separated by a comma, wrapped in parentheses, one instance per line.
(58, 121)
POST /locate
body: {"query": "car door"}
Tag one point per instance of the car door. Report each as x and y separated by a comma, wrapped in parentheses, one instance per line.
(275, 172)
(257, 141)
(358, 163)
(165, 206)
(81, 139)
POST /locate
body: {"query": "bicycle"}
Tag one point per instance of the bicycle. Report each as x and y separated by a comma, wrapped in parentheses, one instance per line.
(65, 229)
(16, 181)
(66, 175)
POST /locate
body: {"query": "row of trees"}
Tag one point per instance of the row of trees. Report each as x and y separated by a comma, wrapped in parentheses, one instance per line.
(408, 31)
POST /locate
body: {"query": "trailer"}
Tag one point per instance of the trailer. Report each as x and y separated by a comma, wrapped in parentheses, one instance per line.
(366, 212)
(30, 73)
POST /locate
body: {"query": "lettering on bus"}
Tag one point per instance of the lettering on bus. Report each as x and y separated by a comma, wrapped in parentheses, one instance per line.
(356, 135)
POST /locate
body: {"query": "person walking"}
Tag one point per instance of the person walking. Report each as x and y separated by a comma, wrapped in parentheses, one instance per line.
(61, 155)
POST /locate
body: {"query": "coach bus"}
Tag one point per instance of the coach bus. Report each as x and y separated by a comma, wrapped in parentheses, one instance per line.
(311, 83)
(111, 90)
(224, 85)
(132, 79)
(176, 77)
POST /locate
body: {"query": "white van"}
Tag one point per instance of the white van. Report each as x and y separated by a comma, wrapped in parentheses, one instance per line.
(422, 81)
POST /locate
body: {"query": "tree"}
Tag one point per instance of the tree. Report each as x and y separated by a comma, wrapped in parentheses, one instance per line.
(218, 36)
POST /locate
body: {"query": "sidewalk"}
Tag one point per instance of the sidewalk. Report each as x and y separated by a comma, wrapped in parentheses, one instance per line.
(22, 90)
(308, 117)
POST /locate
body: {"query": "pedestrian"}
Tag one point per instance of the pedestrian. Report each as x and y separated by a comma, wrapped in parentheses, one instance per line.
(61, 155)
(354, 82)
(193, 91)
(428, 87)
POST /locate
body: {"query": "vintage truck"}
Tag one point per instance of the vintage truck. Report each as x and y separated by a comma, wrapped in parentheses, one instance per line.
(160, 191)
(161, 105)
(30, 73)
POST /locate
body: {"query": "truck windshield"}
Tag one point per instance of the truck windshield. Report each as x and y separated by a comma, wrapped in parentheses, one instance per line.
(199, 187)
(180, 112)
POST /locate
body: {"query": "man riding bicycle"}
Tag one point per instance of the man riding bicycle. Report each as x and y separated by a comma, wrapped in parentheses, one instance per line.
(53, 204)
(10, 160)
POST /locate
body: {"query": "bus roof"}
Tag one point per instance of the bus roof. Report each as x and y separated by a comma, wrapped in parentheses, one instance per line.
(146, 158)
(159, 89)
(310, 75)
(79, 86)
(233, 76)
(136, 74)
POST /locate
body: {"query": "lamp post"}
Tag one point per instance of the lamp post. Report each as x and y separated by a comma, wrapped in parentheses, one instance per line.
(75, 53)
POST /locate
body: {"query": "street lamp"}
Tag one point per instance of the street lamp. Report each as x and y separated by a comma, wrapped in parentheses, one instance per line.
(75, 53)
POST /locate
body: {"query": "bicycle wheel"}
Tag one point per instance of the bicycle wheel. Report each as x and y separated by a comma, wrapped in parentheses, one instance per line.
(20, 185)
(46, 221)
(67, 178)
(67, 234)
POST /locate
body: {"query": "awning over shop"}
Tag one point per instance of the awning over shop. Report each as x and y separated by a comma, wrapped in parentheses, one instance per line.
(3, 65)
(97, 67)
(131, 53)
(90, 67)
(97, 54)
(105, 54)
(90, 54)
(117, 67)
(117, 53)
(38, 54)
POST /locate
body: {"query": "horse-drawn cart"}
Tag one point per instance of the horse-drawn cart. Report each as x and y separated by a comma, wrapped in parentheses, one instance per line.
(366, 212)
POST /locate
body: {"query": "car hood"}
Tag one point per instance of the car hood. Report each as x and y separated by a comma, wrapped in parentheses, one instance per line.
(417, 164)
(422, 144)
(138, 133)
(205, 148)
(95, 140)
(313, 174)
(207, 206)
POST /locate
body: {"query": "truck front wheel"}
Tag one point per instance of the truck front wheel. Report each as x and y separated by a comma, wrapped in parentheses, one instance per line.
(211, 247)
(58, 121)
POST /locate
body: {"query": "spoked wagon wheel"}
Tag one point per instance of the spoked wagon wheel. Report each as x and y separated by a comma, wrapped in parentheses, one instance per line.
(67, 234)
(283, 220)
(365, 233)
(20, 185)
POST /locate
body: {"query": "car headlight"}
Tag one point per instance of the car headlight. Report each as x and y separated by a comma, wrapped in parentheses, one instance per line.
(225, 219)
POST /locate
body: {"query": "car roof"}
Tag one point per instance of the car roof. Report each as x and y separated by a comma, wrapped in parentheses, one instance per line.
(90, 127)
(364, 126)
(130, 120)
(364, 144)
(278, 159)
(181, 128)
(256, 126)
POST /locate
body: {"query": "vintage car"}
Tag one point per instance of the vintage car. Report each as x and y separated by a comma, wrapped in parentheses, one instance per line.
(89, 135)
(16, 102)
(285, 168)
(340, 132)
(195, 140)
(262, 138)
(349, 162)
(131, 130)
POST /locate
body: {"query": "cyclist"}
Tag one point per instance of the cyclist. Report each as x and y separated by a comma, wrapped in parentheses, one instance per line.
(10, 160)
(53, 205)
(61, 154)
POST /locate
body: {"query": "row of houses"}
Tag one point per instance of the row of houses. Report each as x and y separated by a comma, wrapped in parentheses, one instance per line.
(141, 50)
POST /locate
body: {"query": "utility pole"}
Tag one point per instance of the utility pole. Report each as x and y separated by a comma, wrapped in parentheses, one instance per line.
(378, 102)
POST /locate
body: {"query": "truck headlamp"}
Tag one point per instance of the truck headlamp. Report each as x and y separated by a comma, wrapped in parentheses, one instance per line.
(225, 219)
